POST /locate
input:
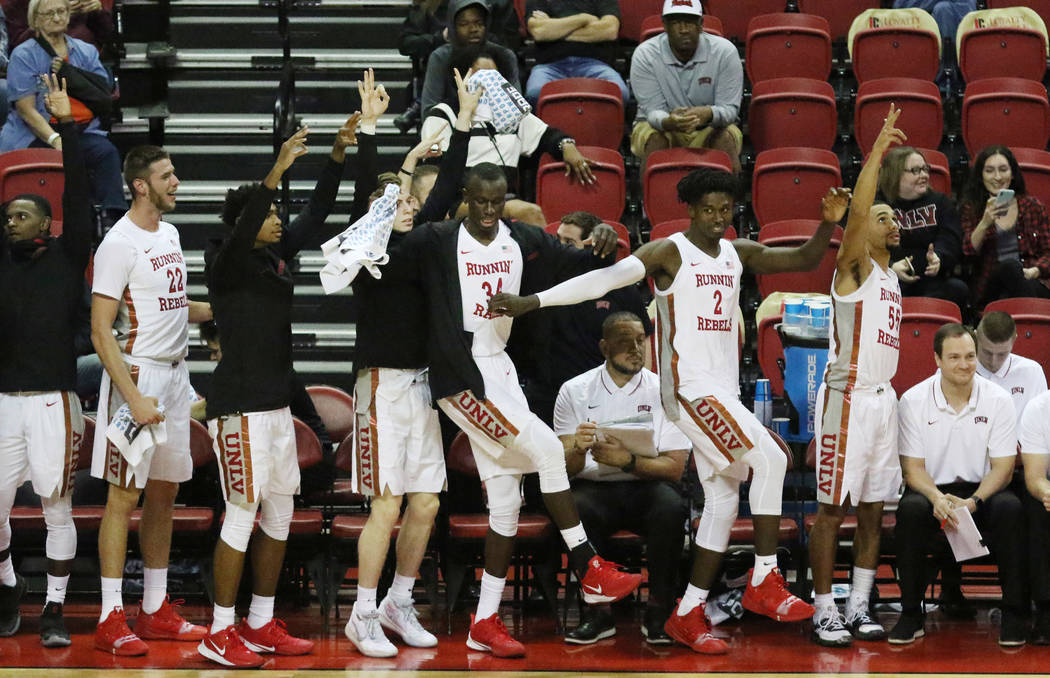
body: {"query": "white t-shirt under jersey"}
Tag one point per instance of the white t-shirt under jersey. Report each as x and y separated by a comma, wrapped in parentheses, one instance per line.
(486, 270)
(145, 271)
(1021, 377)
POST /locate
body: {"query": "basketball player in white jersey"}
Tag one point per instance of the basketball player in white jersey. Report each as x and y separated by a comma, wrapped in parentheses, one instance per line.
(856, 418)
(697, 276)
(139, 326)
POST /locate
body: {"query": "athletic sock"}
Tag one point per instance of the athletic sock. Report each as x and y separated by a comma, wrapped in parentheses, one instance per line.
(366, 601)
(401, 588)
(56, 589)
(694, 596)
(491, 595)
(860, 591)
(7, 572)
(111, 596)
(825, 604)
(763, 566)
(261, 611)
(221, 617)
(154, 588)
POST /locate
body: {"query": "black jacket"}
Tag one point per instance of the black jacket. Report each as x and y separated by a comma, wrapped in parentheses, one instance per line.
(929, 219)
(41, 287)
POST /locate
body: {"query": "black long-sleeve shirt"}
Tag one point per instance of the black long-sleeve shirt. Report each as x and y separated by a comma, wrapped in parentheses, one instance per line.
(41, 286)
(931, 219)
(251, 291)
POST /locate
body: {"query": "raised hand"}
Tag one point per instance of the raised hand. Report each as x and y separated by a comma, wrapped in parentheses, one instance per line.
(57, 100)
(374, 99)
(468, 101)
(293, 148)
(345, 136)
(889, 133)
(834, 204)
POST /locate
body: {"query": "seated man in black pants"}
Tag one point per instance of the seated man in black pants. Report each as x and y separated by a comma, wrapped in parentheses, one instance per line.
(615, 488)
(957, 447)
(1034, 439)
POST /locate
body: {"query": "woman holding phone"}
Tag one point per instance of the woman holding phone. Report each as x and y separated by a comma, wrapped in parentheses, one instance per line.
(1005, 229)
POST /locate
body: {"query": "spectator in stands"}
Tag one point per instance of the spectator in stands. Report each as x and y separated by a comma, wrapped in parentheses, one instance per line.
(1011, 242)
(90, 91)
(931, 238)
(1023, 378)
(1034, 442)
(947, 13)
(574, 39)
(615, 487)
(688, 84)
(957, 444)
(41, 289)
(468, 25)
(571, 345)
(5, 49)
(505, 150)
(89, 20)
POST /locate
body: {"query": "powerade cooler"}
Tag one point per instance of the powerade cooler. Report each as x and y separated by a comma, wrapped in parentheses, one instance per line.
(804, 335)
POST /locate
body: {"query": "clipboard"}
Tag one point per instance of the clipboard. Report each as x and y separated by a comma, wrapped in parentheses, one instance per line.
(636, 433)
(965, 539)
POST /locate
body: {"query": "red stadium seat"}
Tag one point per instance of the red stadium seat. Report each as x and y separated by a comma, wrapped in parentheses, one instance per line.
(633, 13)
(336, 409)
(788, 183)
(895, 51)
(664, 169)
(1032, 316)
(1041, 7)
(654, 25)
(922, 116)
(940, 174)
(792, 112)
(587, 109)
(735, 14)
(1035, 165)
(666, 228)
(788, 46)
(791, 234)
(621, 230)
(921, 317)
(771, 352)
(33, 170)
(997, 51)
(1008, 111)
(559, 194)
(839, 13)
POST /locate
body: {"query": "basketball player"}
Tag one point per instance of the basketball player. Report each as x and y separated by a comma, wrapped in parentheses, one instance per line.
(139, 293)
(461, 264)
(41, 285)
(856, 416)
(697, 276)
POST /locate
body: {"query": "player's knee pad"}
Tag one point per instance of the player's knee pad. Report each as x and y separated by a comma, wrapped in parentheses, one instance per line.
(276, 516)
(769, 464)
(504, 495)
(721, 501)
(237, 525)
(543, 447)
(61, 543)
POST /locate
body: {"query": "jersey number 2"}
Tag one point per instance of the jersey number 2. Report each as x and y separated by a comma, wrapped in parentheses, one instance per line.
(718, 302)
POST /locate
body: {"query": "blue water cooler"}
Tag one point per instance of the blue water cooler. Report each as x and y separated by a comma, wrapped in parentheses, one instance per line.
(804, 336)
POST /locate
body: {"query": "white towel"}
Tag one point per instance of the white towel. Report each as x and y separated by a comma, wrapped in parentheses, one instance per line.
(363, 244)
(134, 439)
(500, 104)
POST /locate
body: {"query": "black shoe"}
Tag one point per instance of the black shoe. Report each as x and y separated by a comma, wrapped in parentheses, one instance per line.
(409, 119)
(53, 631)
(955, 606)
(653, 627)
(1013, 629)
(594, 627)
(10, 615)
(908, 628)
(1040, 634)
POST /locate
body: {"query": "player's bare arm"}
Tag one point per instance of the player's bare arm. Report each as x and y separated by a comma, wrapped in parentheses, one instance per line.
(103, 314)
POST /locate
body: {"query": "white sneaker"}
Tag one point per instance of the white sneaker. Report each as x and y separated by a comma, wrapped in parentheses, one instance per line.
(828, 629)
(863, 626)
(365, 632)
(403, 620)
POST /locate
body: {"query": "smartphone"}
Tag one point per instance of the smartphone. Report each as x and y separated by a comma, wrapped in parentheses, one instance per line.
(1004, 197)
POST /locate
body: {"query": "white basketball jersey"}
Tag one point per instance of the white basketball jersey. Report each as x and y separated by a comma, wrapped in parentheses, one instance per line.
(698, 342)
(865, 335)
(145, 271)
(486, 270)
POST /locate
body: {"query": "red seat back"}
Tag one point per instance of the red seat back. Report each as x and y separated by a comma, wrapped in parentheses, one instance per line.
(940, 173)
(792, 112)
(922, 115)
(735, 14)
(771, 352)
(559, 194)
(587, 109)
(665, 168)
(1036, 167)
(839, 13)
(308, 447)
(921, 317)
(336, 409)
(896, 52)
(792, 234)
(33, 170)
(788, 46)
(633, 13)
(87, 443)
(788, 183)
(460, 456)
(1041, 7)
(1002, 51)
(666, 228)
(1007, 111)
(1032, 317)
(201, 447)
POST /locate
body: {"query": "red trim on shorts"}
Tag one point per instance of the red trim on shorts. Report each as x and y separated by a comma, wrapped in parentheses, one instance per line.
(246, 459)
(726, 417)
(72, 455)
(373, 432)
(133, 321)
(847, 398)
(220, 438)
(489, 409)
(670, 343)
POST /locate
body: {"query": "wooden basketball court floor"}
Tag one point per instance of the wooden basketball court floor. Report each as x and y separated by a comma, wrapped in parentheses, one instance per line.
(759, 647)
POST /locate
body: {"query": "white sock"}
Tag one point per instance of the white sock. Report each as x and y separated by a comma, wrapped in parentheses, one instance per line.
(401, 588)
(221, 617)
(261, 611)
(763, 566)
(7, 572)
(825, 604)
(56, 589)
(860, 591)
(154, 588)
(574, 536)
(692, 598)
(111, 595)
(366, 601)
(491, 595)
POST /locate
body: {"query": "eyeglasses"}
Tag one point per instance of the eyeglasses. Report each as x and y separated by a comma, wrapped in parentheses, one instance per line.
(54, 13)
(922, 169)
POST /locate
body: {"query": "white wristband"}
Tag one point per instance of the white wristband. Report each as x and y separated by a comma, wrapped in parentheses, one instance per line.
(368, 128)
(51, 139)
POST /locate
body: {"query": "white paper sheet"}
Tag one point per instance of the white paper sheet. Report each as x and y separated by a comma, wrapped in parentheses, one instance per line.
(636, 434)
(965, 539)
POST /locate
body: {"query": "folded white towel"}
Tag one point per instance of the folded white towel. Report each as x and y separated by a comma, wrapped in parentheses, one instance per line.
(134, 439)
(363, 244)
(500, 104)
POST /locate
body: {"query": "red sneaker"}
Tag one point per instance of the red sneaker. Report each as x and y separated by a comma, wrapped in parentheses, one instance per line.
(113, 635)
(772, 599)
(167, 624)
(226, 647)
(491, 635)
(694, 631)
(273, 638)
(605, 582)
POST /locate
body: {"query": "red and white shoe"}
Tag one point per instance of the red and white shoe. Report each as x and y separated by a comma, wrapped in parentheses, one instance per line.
(772, 599)
(490, 635)
(694, 631)
(113, 635)
(167, 624)
(605, 582)
(273, 638)
(226, 647)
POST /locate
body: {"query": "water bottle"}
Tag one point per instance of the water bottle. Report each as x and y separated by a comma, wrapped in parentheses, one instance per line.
(763, 402)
